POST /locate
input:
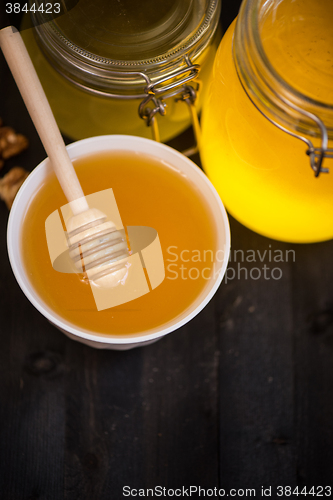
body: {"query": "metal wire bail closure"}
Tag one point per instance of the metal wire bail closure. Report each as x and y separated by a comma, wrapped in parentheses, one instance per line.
(289, 108)
(159, 90)
(316, 155)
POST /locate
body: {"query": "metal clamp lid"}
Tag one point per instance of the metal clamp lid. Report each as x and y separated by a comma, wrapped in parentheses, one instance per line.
(316, 155)
(156, 93)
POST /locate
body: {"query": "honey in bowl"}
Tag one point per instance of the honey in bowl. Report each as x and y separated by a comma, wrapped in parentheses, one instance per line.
(149, 192)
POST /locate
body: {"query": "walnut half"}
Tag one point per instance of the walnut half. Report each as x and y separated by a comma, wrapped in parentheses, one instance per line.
(11, 183)
(11, 143)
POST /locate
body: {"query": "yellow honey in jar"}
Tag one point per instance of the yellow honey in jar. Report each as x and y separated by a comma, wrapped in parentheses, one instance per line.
(263, 175)
(95, 62)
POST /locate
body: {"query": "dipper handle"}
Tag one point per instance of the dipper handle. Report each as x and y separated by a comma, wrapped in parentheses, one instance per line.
(41, 114)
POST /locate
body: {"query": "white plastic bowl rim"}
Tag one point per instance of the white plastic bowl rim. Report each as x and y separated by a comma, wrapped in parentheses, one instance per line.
(82, 148)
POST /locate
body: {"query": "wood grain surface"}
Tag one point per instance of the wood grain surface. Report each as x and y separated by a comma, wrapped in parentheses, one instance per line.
(241, 397)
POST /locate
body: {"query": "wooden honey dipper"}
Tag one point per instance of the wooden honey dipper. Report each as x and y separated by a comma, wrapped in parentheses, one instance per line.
(95, 245)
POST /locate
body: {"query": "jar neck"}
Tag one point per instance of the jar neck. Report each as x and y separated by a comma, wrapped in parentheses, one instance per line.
(128, 79)
(279, 100)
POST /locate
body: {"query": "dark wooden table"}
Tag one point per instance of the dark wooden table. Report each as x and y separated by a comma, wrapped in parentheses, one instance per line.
(241, 397)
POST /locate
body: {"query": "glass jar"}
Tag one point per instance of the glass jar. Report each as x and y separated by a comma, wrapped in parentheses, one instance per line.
(270, 102)
(102, 60)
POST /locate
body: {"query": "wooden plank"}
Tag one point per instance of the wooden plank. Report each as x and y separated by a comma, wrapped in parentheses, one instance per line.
(257, 445)
(229, 11)
(142, 418)
(31, 396)
(103, 421)
(31, 356)
(14, 114)
(313, 337)
(180, 392)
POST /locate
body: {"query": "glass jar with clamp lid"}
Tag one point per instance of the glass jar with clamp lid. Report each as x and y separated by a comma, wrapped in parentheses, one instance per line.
(268, 122)
(117, 66)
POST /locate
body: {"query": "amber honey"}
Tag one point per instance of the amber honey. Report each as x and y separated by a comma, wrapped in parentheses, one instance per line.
(148, 193)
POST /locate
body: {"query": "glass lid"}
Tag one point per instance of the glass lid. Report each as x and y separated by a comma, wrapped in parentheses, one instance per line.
(128, 32)
(129, 29)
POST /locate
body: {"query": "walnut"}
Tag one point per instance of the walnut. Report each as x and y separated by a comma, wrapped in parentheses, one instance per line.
(11, 183)
(11, 143)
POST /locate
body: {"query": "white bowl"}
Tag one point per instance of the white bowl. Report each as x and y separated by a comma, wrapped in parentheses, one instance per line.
(120, 143)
